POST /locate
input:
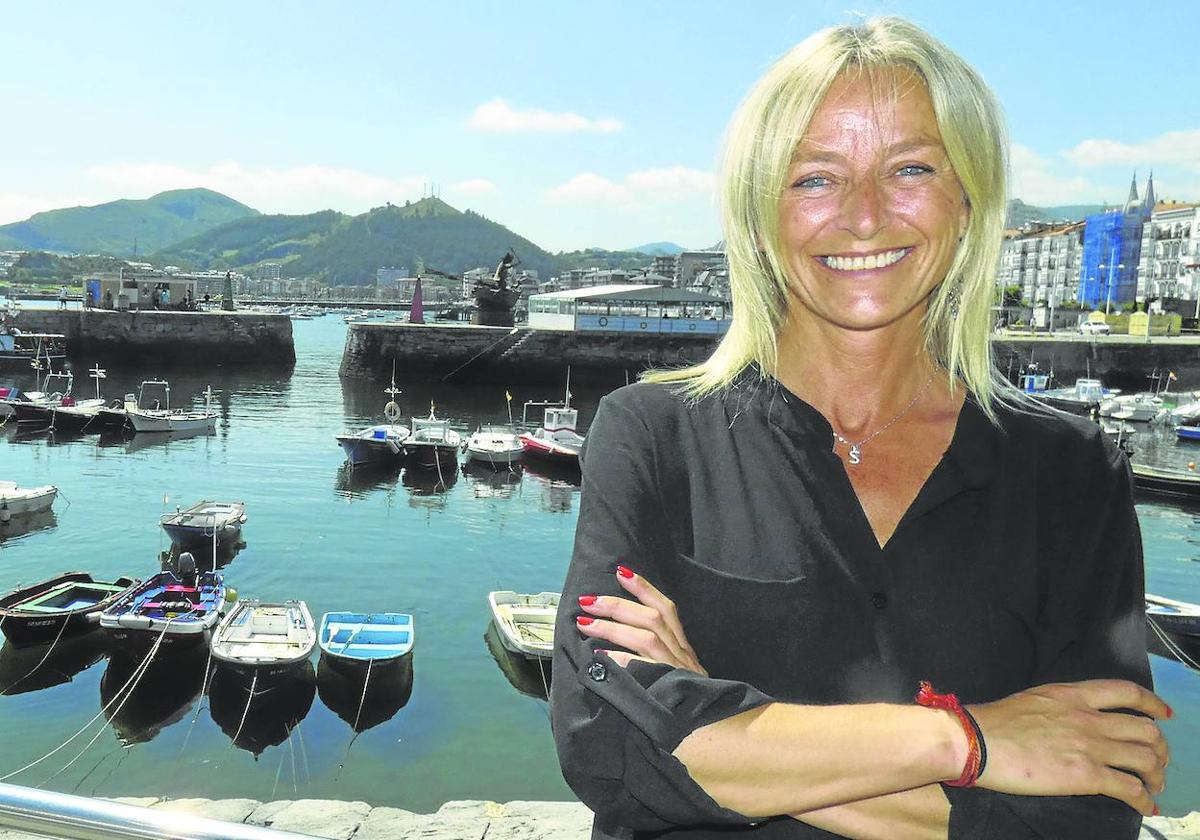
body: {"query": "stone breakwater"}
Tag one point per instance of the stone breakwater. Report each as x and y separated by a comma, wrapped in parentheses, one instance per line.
(464, 820)
(241, 339)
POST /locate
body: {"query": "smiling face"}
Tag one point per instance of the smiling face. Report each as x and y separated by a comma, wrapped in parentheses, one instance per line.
(871, 214)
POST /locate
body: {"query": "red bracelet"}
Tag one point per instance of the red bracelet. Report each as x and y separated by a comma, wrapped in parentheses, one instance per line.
(976, 748)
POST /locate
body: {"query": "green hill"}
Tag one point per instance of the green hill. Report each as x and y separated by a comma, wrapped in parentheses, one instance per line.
(114, 228)
(340, 250)
(1019, 213)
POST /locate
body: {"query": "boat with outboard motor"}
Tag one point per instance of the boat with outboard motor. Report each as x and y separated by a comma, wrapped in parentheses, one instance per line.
(379, 444)
(35, 409)
(205, 523)
(264, 642)
(64, 605)
(181, 610)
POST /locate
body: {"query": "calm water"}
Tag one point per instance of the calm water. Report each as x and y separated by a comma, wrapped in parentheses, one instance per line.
(467, 727)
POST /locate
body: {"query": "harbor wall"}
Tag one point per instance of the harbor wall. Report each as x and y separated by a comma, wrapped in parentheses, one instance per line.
(456, 353)
(172, 338)
(1121, 361)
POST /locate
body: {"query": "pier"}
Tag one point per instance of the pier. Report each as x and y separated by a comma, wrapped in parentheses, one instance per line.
(184, 339)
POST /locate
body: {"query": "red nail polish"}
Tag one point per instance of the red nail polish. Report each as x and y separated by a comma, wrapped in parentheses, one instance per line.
(1156, 811)
(599, 651)
(584, 619)
(1170, 711)
(587, 600)
(625, 571)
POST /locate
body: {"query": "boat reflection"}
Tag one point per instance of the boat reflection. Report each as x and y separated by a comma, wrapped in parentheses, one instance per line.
(357, 482)
(149, 440)
(559, 483)
(488, 483)
(428, 488)
(27, 523)
(265, 718)
(204, 555)
(531, 678)
(364, 702)
(35, 667)
(161, 696)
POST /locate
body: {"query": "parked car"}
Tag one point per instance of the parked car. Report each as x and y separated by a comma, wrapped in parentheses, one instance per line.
(1095, 328)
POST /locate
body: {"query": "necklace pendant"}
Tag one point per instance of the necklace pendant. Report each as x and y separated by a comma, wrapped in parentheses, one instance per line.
(855, 454)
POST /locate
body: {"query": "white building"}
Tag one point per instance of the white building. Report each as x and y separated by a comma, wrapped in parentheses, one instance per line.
(630, 308)
(1170, 259)
(1044, 260)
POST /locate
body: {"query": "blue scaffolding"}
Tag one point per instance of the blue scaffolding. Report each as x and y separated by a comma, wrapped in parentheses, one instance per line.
(1112, 245)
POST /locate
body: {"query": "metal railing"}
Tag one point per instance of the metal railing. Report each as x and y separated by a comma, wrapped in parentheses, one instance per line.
(62, 815)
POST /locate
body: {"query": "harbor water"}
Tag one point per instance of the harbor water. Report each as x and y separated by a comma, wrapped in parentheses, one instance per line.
(473, 723)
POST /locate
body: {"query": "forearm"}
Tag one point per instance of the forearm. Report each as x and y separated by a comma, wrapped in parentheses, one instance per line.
(789, 759)
(919, 814)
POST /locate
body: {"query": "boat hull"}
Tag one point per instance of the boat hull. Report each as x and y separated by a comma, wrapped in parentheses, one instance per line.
(430, 456)
(263, 644)
(1181, 485)
(26, 504)
(31, 414)
(23, 627)
(547, 451)
(361, 451)
(141, 422)
(1188, 433)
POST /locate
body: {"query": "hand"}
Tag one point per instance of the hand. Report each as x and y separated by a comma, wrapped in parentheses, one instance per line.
(649, 627)
(1064, 739)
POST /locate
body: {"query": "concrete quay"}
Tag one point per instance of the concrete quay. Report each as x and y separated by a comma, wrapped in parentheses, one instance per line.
(1122, 361)
(168, 338)
(460, 820)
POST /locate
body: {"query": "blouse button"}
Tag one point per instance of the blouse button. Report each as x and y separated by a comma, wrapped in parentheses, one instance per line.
(880, 600)
(597, 671)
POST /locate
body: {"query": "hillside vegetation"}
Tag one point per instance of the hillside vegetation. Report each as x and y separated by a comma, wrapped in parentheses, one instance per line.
(116, 227)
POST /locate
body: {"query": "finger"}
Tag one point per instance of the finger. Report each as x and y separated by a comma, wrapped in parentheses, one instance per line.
(622, 658)
(1123, 694)
(648, 594)
(1137, 730)
(1138, 759)
(1128, 789)
(641, 642)
(634, 614)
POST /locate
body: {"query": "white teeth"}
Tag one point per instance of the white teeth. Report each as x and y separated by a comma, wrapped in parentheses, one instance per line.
(865, 263)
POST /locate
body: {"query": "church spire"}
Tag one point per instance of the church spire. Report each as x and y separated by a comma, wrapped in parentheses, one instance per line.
(1149, 204)
(1133, 196)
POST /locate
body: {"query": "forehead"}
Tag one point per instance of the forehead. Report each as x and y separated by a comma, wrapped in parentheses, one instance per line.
(872, 108)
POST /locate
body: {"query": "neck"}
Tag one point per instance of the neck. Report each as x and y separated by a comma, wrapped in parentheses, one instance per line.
(858, 379)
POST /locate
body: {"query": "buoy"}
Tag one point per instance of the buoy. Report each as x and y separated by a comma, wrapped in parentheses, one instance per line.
(392, 412)
(5, 514)
(230, 594)
(1191, 465)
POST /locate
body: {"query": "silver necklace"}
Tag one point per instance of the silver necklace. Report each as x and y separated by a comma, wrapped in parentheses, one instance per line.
(856, 448)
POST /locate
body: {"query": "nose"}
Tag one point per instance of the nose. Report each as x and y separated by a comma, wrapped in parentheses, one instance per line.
(864, 208)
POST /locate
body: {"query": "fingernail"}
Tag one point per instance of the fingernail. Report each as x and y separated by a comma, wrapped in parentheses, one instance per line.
(1156, 810)
(1170, 712)
(584, 619)
(625, 571)
(598, 651)
(587, 600)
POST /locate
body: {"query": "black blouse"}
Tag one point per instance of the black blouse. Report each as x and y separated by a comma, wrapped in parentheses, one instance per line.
(1018, 563)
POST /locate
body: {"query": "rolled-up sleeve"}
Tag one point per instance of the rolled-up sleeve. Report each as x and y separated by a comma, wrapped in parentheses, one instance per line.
(615, 728)
(1092, 627)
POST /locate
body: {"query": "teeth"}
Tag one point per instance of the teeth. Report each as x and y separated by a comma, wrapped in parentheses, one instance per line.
(865, 263)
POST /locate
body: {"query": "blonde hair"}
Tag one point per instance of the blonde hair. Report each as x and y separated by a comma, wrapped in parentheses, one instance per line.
(760, 144)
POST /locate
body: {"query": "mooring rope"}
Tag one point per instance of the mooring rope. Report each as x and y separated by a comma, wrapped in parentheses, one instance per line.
(132, 677)
(50, 650)
(1177, 651)
(363, 699)
(504, 337)
(245, 711)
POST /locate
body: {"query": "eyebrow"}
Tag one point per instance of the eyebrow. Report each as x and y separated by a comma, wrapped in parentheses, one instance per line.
(896, 149)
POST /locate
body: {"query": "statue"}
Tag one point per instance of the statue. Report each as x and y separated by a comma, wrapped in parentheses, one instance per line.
(495, 298)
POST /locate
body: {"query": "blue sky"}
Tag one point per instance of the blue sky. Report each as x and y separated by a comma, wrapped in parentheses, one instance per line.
(573, 124)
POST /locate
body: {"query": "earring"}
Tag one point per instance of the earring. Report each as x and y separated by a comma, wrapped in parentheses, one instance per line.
(955, 299)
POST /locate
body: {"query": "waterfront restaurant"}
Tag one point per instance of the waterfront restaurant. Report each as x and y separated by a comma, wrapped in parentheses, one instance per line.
(630, 308)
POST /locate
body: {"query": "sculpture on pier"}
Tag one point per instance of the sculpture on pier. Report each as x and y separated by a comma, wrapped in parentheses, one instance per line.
(494, 298)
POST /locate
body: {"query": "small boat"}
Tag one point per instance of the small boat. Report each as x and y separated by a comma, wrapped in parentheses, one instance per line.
(1082, 398)
(35, 410)
(19, 349)
(1173, 616)
(432, 443)
(1140, 408)
(20, 501)
(355, 641)
(1187, 432)
(556, 439)
(73, 415)
(264, 641)
(525, 622)
(205, 523)
(377, 444)
(64, 605)
(179, 609)
(166, 419)
(1168, 482)
(497, 446)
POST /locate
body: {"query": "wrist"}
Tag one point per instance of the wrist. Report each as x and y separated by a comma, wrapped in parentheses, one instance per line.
(951, 747)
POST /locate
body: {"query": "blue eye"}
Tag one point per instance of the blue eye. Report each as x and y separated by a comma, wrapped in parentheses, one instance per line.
(914, 169)
(812, 182)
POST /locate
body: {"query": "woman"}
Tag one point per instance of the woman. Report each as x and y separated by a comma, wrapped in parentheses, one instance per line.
(777, 547)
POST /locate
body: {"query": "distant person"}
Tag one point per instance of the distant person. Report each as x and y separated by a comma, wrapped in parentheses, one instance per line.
(62, 297)
(207, 299)
(188, 303)
(166, 297)
(108, 299)
(89, 299)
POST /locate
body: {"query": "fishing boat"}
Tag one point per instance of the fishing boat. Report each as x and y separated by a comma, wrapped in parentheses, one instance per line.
(1167, 482)
(179, 609)
(556, 439)
(1138, 408)
(496, 446)
(1173, 616)
(73, 415)
(35, 409)
(23, 501)
(204, 523)
(19, 349)
(1082, 398)
(65, 605)
(432, 443)
(377, 444)
(352, 641)
(525, 622)
(264, 642)
(167, 419)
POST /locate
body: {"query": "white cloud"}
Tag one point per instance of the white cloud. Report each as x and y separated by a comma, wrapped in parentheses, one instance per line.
(473, 186)
(17, 207)
(1181, 148)
(296, 189)
(498, 115)
(646, 186)
(1039, 180)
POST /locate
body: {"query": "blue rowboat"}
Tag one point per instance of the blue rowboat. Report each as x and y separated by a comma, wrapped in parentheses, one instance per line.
(1188, 432)
(356, 640)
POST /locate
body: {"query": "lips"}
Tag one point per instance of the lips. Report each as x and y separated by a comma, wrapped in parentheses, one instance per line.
(866, 263)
